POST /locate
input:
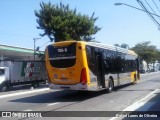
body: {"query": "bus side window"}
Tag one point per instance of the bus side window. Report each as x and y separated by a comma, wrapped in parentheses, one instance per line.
(120, 65)
(110, 62)
(134, 65)
(115, 65)
(107, 66)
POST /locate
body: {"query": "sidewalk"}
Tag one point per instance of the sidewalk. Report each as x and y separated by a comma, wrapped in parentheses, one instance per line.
(147, 108)
(156, 100)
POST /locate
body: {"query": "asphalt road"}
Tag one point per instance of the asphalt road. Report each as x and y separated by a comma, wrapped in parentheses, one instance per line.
(124, 98)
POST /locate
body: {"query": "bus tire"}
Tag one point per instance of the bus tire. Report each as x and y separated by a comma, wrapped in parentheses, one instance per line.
(110, 85)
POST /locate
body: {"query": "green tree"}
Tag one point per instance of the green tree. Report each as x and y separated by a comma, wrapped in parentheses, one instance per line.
(61, 23)
(158, 55)
(158, 58)
(124, 45)
(117, 45)
(146, 52)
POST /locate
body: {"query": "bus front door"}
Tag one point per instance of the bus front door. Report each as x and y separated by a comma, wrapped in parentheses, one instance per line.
(100, 70)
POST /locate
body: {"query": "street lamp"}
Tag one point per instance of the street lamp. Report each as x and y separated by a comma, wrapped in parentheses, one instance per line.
(35, 39)
(117, 4)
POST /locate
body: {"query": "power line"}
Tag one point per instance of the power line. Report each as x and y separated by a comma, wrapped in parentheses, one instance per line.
(151, 8)
(156, 5)
(44, 44)
(148, 13)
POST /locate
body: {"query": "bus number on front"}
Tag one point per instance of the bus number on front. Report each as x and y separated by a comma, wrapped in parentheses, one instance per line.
(60, 50)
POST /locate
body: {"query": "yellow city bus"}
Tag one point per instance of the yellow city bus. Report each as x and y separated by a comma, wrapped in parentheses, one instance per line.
(90, 66)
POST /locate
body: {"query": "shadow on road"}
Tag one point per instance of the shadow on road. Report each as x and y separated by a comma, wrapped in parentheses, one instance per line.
(60, 96)
(69, 96)
(66, 96)
(120, 88)
(22, 88)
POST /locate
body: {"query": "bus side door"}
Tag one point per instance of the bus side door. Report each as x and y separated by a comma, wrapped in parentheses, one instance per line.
(100, 70)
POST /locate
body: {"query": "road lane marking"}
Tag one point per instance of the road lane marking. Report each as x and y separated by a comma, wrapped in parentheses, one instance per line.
(23, 93)
(51, 104)
(141, 102)
(147, 96)
(140, 105)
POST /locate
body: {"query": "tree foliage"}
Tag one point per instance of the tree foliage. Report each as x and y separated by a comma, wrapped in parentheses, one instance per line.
(117, 45)
(158, 56)
(124, 45)
(147, 52)
(61, 23)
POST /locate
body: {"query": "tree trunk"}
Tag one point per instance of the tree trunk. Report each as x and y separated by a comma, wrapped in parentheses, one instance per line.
(148, 70)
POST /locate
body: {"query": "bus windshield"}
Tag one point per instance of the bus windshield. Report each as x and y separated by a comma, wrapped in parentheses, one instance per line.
(2, 72)
(62, 57)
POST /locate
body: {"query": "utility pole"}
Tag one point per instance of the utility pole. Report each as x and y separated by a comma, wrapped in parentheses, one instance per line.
(35, 39)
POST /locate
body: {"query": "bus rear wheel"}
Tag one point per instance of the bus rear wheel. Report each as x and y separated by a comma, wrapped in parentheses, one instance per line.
(110, 85)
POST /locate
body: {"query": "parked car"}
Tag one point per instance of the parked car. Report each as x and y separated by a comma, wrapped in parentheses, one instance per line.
(142, 71)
